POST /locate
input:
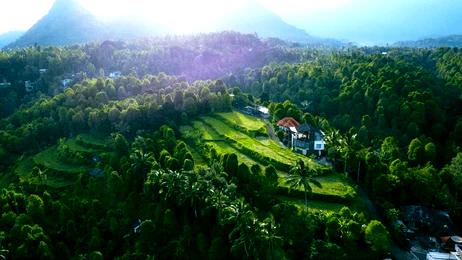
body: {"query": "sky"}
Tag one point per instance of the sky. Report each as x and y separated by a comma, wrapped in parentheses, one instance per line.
(361, 21)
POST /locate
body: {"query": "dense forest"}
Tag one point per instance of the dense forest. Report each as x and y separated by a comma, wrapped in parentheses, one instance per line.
(131, 182)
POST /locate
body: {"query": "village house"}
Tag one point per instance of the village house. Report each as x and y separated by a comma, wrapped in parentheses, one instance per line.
(65, 83)
(28, 86)
(303, 138)
(5, 84)
(259, 111)
(115, 74)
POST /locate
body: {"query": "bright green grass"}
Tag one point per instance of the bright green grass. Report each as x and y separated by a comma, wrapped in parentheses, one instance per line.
(265, 146)
(223, 148)
(313, 205)
(49, 159)
(248, 122)
(75, 146)
(53, 179)
(208, 133)
(95, 141)
(333, 184)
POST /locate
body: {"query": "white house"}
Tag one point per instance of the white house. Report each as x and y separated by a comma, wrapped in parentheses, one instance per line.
(29, 87)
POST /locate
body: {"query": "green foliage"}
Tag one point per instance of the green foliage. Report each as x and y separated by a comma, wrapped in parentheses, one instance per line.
(302, 176)
(378, 237)
(415, 152)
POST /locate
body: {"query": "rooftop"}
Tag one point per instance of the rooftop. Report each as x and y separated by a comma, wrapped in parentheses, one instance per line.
(288, 122)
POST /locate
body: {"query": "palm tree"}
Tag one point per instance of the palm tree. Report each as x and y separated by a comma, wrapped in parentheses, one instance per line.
(142, 162)
(247, 231)
(303, 176)
(40, 174)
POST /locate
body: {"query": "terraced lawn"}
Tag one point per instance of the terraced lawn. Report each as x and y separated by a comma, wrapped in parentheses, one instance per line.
(49, 159)
(333, 184)
(248, 122)
(313, 205)
(60, 173)
(263, 145)
(222, 134)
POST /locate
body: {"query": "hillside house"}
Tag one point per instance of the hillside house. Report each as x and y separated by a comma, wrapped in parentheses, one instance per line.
(5, 84)
(65, 83)
(28, 86)
(115, 74)
(259, 111)
(303, 138)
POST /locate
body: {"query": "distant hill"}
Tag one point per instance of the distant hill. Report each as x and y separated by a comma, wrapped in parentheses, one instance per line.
(68, 23)
(9, 37)
(255, 18)
(446, 41)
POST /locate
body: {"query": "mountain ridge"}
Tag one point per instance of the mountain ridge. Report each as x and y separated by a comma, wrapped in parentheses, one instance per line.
(454, 40)
(9, 37)
(68, 22)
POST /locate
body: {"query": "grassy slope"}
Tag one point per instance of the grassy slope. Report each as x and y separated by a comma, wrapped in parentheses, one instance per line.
(59, 174)
(213, 129)
(248, 122)
(263, 145)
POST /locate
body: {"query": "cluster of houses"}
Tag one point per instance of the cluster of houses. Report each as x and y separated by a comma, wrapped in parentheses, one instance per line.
(429, 233)
(303, 138)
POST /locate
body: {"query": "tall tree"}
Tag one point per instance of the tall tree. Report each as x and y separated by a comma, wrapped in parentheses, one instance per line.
(302, 176)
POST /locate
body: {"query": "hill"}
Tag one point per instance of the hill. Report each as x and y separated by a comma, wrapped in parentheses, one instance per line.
(255, 18)
(446, 41)
(68, 22)
(9, 37)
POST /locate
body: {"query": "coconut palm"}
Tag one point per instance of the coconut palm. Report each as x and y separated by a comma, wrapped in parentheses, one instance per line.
(40, 174)
(302, 176)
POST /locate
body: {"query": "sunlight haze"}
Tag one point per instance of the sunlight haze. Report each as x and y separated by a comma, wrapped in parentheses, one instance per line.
(360, 21)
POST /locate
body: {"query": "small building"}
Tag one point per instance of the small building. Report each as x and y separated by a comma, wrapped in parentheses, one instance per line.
(28, 86)
(115, 74)
(5, 84)
(303, 138)
(258, 111)
(440, 256)
(43, 71)
(264, 112)
(65, 83)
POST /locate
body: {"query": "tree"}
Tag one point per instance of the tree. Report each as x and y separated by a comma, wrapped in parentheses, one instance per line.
(301, 176)
(121, 144)
(35, 207)
(40, 174)
(430, 152)
(378, 237)
(389, 149)
(415, 151)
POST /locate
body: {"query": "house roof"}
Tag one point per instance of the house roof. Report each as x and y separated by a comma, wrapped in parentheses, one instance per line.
(288, 122)
(304, 128)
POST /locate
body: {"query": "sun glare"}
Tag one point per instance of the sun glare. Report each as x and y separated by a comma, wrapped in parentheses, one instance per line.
(179, 15)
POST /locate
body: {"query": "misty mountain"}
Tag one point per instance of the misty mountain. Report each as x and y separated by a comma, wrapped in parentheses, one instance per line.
(446, 41)
(255, 18)
(68, 22)
(9, 37)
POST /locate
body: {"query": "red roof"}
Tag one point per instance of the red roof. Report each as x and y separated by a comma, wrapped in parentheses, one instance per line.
(288, 122)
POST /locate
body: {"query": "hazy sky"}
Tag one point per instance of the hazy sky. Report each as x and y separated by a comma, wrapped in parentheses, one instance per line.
(362, 21)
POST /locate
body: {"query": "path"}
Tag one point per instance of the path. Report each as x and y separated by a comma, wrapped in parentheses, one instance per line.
(271, 133)
(396, 251)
